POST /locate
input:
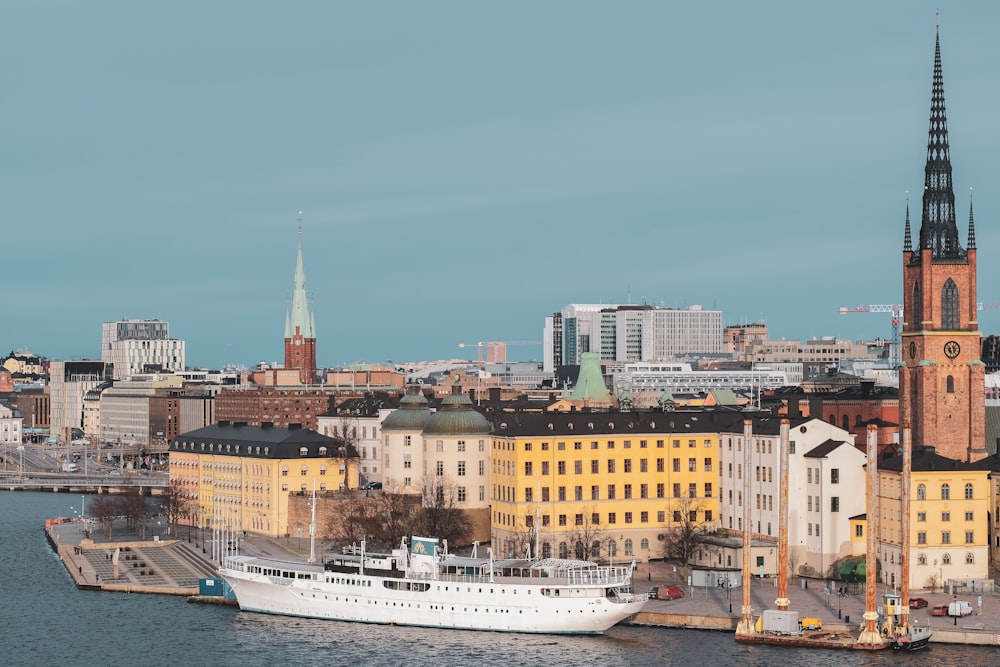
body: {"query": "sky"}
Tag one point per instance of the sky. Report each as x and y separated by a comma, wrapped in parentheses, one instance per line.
(466, 168)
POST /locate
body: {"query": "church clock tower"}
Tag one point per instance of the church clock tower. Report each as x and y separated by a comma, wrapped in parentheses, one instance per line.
(941, 378)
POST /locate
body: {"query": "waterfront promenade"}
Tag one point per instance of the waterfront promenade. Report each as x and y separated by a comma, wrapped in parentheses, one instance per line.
(174, 566)
(719, 608)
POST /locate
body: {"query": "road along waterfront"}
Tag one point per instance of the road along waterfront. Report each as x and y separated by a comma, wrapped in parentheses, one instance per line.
(46, 619)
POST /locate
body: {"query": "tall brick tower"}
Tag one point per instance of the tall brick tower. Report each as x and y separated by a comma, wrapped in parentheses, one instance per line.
(941, 378)
(300, 327)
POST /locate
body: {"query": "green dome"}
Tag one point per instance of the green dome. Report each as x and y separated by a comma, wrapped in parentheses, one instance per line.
(457, 416)
(412, 413)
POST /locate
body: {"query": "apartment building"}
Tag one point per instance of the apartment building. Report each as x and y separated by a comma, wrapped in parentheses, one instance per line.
(601, 484)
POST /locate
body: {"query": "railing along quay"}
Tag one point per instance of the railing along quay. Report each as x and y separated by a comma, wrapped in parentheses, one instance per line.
(80, 483)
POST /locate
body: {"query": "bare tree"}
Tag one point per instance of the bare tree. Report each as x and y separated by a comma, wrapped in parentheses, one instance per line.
(104, 510)
(176, 505)
(395, 515)
(521, 537)
(440, 515)
(136, 509)
(353, 520)
(685, 535)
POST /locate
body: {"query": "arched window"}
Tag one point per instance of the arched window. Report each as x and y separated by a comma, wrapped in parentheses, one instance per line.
(846, 421)
(644, 544)
(950, 384)
(857, 420)
(595, 549)
(918, 309)
(546, 550)
(563, 550)
(921, 492)
(833, 419)
(945, 492)
(969, 559)
(949, 305)
(922, 559)
(580, 553)
(612, 548)
(628, 547)
(946, 559)
(968, 491)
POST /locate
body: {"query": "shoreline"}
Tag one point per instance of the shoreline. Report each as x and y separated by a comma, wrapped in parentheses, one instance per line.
(167, 567)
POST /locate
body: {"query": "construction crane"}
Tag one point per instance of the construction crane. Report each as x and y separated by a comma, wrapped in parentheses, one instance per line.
(896, 311)
(480, 346)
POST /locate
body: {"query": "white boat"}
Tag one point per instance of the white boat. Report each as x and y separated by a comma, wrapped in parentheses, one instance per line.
(427, 587)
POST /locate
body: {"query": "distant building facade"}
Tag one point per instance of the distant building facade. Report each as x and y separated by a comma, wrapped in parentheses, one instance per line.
(241, 477)
(140, 346)
(629, 333)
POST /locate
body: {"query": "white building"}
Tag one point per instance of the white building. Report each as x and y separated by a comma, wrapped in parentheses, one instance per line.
(680, 378)
(139, 346)
(69, 381)
(359, 422)
(124, 418)
(825, 488)
(10, 432)
(629, 333)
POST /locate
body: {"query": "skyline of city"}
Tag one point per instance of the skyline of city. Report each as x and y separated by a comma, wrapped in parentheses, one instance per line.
(464, 172)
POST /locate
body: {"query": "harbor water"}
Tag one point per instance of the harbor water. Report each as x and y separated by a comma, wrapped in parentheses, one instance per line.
(45, 620)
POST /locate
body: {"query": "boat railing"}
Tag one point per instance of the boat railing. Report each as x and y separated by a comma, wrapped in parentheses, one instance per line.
(605, 576)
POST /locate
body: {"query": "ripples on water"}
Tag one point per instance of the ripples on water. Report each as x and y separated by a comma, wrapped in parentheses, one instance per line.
(45, 620)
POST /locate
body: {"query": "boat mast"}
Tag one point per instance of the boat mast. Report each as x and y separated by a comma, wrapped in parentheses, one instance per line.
(312, 529)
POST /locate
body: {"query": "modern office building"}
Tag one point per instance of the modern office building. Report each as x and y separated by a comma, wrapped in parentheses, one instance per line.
(629, 333)
(69, 382)
(140, 346)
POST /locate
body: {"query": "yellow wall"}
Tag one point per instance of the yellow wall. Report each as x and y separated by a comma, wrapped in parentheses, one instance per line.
(940, 528)
(251, 493)
(567, 468)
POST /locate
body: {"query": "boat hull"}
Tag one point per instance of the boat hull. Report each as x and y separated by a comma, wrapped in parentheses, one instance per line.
(498, 606)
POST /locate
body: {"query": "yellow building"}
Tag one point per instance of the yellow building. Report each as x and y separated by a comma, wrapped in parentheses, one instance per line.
(601, 485)
(949, 520)
(240, 477)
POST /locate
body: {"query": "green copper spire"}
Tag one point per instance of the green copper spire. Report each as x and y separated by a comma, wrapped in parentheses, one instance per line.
(299, 317)
(590, 387)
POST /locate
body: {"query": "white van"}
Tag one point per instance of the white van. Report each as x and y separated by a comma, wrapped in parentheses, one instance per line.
(960, 608)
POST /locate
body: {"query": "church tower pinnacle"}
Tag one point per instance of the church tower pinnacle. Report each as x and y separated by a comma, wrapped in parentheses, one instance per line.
(941, 378)
(300, 327)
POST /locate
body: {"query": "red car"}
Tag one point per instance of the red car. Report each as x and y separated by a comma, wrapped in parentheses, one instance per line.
(917, 603)
(939, 610)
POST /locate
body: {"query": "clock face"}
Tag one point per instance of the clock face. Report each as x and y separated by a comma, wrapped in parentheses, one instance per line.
(951, 349)
(913, 350)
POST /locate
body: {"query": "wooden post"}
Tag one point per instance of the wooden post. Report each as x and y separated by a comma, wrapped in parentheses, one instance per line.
(745, 626)
(870, 638)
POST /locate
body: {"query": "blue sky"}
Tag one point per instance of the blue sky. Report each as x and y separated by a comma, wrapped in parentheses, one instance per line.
(466, 168)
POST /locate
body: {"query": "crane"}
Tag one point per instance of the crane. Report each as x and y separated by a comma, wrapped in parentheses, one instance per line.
(480, 346)
(896, 310)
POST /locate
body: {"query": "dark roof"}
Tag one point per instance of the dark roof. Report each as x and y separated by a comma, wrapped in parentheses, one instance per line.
(279, 443)
(824, 448)
(365, 406)
(926, 459)
(640, 421)
(858, 517)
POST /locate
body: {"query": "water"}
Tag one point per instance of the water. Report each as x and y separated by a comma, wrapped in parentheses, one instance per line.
(45, 620)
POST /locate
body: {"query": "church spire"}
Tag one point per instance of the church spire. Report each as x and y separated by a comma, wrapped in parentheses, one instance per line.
(907, 242)
(972, 225)
(299, 320)
(938, 231)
